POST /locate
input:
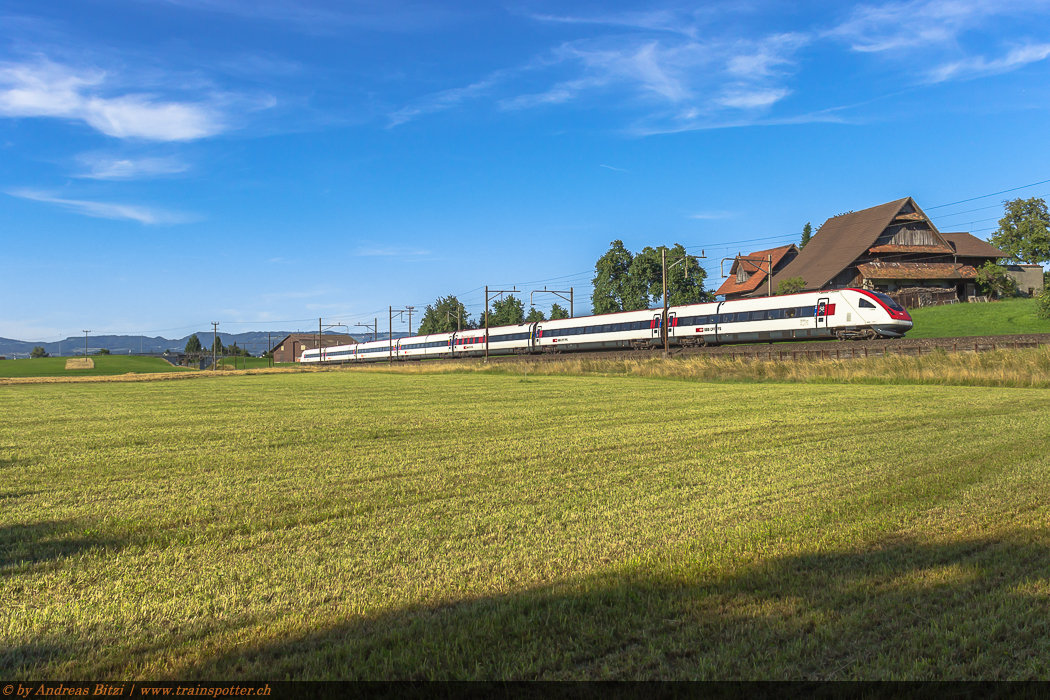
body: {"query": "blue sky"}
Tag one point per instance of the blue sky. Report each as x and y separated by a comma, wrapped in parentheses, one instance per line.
(263, 163)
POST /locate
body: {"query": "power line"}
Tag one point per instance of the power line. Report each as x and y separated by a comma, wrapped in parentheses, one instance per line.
(971, 199)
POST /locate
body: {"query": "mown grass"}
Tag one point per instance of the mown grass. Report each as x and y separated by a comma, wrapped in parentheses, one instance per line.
(1004, 368)
(248, 363)
(1006, 317)
(382, 525)
(104, 365)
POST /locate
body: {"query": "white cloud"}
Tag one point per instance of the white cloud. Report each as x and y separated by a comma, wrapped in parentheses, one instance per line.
(45, 89)
(674, 78)
(657, 20)
(979, 65)
(445, 99)
(107, 210)
(753, 99)
(906, 25)
(101, 167)
(619, 170)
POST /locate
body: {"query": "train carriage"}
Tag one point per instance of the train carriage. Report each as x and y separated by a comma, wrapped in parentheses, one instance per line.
(842, 313)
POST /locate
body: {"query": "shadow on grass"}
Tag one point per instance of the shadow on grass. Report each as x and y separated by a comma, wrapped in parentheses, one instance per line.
(40, 542)
(975, 609)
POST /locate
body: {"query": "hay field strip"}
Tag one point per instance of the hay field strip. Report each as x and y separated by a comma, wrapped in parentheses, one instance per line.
(104, 365)
(367, 524)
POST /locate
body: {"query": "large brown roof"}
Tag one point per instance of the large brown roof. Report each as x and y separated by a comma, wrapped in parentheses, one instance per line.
(756, 266)
(968, 245)
(841, 240)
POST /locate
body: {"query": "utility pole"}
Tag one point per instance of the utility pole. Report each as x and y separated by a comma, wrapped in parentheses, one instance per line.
(663, 323)
(495, 293)
(214, 337)
(85, 343)
(459, 318)
(399, 312)
(684, 262)
(410, 309)
(560, 293)
(269, 349)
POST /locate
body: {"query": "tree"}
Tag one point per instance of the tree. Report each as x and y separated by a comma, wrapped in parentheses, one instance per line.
(627, 282)
(684, 286)
(217, 346)
(995, 279)
(611, 279)
(508, 311)
(102, 351)
(793, 285)
(193, 344)
(236, 351)
(558, 312)
(39, 351)
(535, 315)
(1024, 231)
(807, 233)
(443, 315)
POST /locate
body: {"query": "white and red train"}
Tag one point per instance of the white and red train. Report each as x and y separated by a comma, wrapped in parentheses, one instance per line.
(846, 314)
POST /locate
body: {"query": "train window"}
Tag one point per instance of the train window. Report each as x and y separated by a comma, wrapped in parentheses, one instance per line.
(759, 315)
(774, 314)
(790, 313)
(807, 311)
(865, 304)
(888, 301)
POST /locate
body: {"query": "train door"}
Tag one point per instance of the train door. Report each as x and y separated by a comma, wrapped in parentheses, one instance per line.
(822, 313)
(537, 333)
(672, 321)
(451, 343)
(656, 326)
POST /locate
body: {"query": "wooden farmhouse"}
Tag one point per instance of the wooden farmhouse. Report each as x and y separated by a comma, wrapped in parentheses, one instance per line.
(888, 248)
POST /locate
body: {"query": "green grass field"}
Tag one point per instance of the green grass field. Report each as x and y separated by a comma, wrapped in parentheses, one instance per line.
(1006, 317)
(362, 524)
(104, 365)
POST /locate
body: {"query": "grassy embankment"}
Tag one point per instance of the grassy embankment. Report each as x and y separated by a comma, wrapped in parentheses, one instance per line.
(1007, 317)
(399, 525)
(104, 365)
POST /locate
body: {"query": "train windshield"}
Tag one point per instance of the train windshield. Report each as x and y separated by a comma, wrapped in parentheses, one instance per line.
(888, 301)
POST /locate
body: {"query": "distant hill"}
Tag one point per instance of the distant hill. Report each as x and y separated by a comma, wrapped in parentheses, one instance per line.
(254, 341)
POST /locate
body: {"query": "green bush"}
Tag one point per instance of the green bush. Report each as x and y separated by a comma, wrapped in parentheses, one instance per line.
(1044, 302)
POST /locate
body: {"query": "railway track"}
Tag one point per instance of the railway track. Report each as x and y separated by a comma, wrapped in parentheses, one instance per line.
(816, 350)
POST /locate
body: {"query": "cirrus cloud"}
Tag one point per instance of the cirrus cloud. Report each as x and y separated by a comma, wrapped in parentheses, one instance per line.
(107, 210)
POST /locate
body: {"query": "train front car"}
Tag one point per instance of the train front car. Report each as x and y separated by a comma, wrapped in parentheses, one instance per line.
(876, 315)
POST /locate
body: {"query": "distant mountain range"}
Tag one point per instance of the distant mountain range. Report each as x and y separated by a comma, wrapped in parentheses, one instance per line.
(255, 342)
